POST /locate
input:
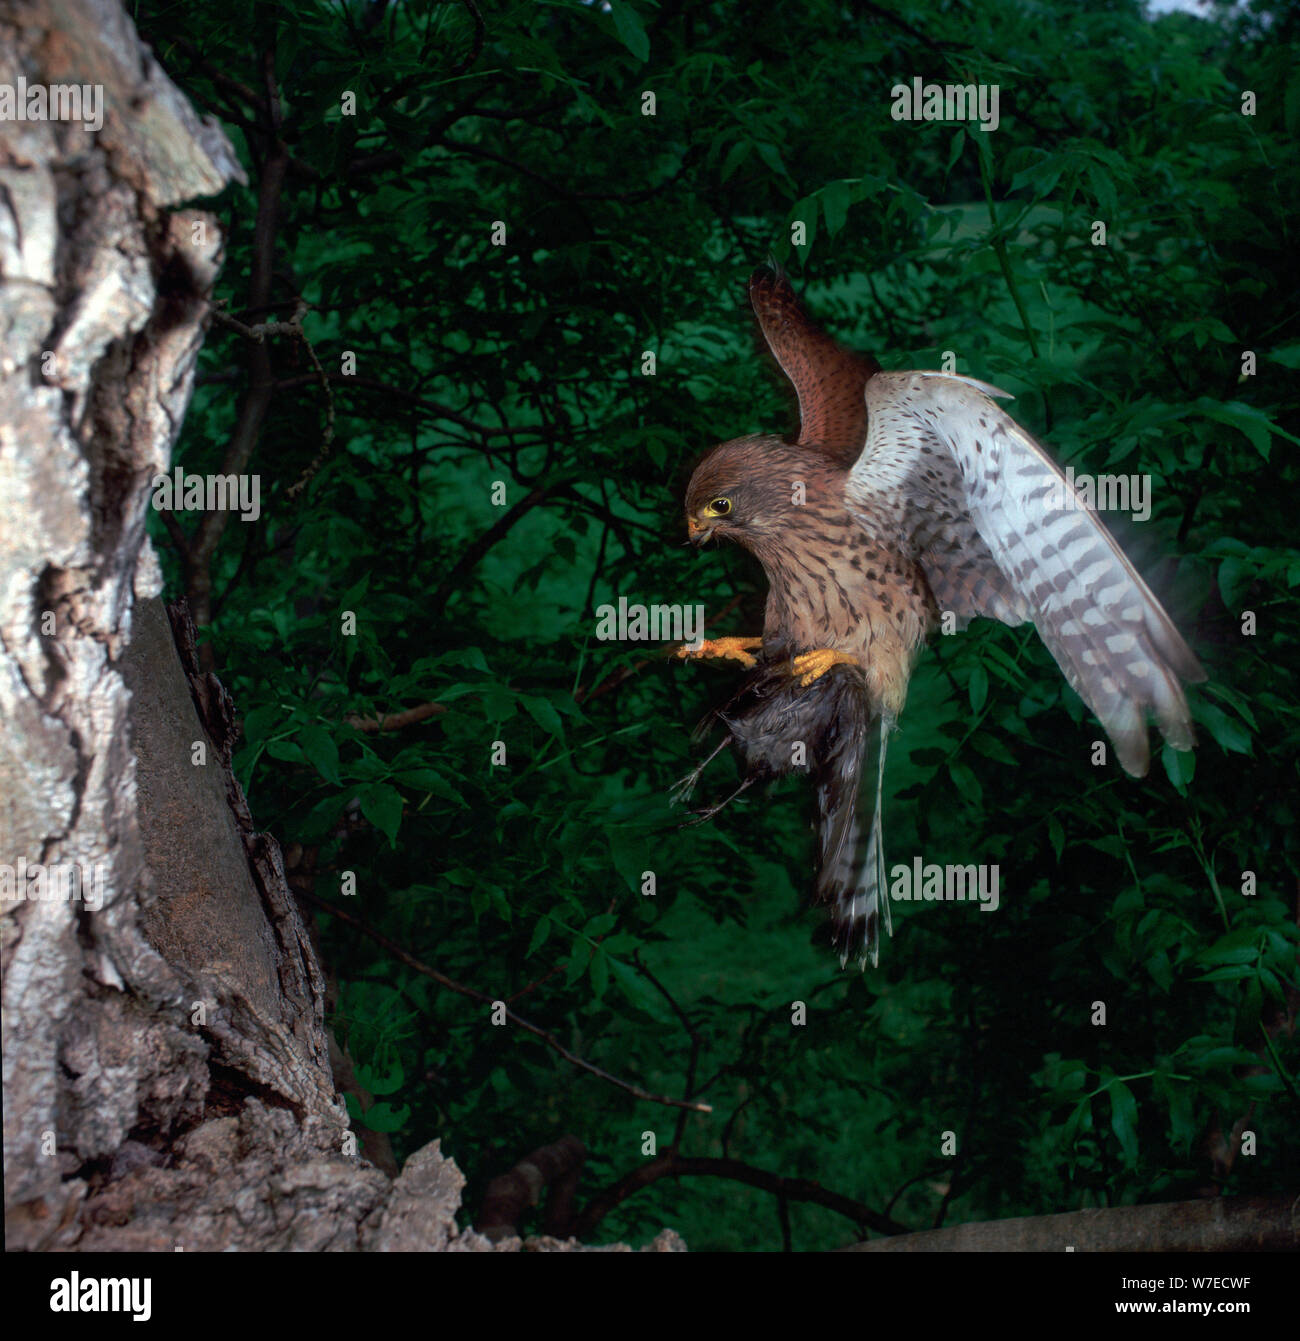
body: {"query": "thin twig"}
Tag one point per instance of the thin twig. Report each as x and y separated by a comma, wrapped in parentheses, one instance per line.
(474, 994)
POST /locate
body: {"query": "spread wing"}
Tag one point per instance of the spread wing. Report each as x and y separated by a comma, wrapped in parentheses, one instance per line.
(998, 531)
(828, 379)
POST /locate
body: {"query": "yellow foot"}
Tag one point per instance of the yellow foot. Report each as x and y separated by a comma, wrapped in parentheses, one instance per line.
(722, 647)
(810, 666)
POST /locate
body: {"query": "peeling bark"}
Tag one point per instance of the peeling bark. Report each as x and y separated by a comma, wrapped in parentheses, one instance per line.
(167, 1077)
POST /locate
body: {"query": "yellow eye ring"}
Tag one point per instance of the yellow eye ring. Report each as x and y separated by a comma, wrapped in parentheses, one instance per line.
(720, 507)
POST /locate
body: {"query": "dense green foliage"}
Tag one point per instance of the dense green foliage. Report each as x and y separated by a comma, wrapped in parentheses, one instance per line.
(522, 363)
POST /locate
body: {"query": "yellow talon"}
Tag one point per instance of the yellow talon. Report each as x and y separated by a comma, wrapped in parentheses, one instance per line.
(735, 648)
(810, 666)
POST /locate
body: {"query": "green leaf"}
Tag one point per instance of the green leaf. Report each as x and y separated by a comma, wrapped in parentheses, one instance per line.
(381, 1082)
(771, 155)
(576, 964)
(543, 712)
(1161, 970)
(836, 199)
(1231, 973)
(1235, 575)
(956, 145)
(540, 932)
(631, 31)
(500, 702)
(467, 658)
(991, 747)
(736, 155)
(384, 1117)
(1057, 835)
(599, 973)
(639, 992)
(1123, 1120)
(630, 850)
(430, 780)
(382, 806)
(979, 688)
(1225, 1057)
(1183, 1126)
(259, 723)
(966, 783)
(1287, 355)
(1240, 946)
(1253, 423)
(321, 750)
(322, 816)
(1227, 733)
(1180, 767)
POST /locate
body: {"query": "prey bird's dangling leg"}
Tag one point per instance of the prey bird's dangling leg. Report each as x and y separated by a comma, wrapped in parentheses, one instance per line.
(682, 789)
(703, 816)
(739, 649)
(810, 666)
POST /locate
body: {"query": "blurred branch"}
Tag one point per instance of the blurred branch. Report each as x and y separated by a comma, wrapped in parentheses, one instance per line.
(674, 1165)
(691, 1033)
(475, 551)
(395, 721)
(1221, 1224)
(510, 1195)
(419, 966)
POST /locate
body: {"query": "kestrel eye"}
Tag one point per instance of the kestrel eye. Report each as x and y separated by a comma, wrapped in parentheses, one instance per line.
(719, 507)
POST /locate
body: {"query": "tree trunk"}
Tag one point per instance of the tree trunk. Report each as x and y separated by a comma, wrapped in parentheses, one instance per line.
(166, 1065)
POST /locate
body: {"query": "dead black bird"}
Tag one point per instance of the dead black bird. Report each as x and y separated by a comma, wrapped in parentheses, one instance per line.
(778, 726)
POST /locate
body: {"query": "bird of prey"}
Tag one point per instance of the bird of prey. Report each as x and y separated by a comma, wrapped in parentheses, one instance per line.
(905, 496)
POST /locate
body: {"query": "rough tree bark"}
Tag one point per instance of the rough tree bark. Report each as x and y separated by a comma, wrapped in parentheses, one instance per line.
(167, 1079)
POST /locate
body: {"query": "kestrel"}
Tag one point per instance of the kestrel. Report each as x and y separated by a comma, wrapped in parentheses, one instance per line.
(907, 495)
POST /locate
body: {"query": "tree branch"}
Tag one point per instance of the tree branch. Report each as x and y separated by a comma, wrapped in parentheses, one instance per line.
(1220, 1224)
(672, 1164)
(474, 994)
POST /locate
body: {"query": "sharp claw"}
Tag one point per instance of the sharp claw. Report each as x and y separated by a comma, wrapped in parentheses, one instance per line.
(810, 666)
(734, 648)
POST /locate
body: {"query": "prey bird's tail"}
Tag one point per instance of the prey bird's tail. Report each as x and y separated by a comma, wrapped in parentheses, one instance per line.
(851, 880)
(828, 730)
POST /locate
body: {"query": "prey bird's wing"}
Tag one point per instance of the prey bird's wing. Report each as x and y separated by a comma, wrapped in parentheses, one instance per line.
(828, 379)
(998, 531)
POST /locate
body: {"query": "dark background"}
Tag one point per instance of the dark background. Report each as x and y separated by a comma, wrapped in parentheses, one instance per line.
(521, 364)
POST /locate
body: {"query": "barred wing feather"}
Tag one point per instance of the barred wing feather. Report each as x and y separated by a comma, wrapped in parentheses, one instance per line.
(998, 531)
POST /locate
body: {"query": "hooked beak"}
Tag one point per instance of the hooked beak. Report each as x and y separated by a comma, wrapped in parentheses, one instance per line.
(696, 533)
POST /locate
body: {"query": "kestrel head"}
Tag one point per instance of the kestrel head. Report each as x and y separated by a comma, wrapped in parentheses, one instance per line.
(745, 491)
(762, 491)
